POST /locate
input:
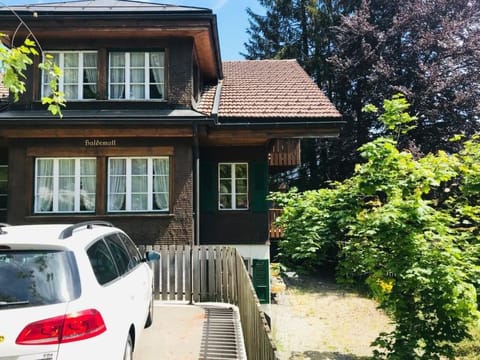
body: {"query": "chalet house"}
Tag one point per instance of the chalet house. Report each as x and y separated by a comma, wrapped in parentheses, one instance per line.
(159, 136)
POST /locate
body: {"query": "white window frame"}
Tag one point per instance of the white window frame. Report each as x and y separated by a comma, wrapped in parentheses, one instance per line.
(61, 81)
(128, 184)
(128, 82)
(234, 193)
(56, 188)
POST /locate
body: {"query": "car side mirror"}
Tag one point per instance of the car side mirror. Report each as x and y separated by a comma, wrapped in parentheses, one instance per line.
(152, 256)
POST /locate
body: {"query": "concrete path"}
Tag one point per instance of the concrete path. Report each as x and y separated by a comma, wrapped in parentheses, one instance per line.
(204, 331)
(176, 333)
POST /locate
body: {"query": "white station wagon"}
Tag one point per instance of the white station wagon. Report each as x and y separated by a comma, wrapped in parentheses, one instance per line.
(72, 292)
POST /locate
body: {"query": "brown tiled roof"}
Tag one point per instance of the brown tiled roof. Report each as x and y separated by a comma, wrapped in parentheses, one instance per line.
(208, 98)
(269, 89)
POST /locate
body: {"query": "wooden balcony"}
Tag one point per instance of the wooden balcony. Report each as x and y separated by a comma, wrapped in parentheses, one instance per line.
(275, 232)
(284, 153)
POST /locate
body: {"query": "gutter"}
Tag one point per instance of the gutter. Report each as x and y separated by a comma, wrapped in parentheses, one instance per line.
(216, 43)
(280, 124)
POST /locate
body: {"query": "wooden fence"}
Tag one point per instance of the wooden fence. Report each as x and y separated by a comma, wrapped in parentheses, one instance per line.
(214, 274)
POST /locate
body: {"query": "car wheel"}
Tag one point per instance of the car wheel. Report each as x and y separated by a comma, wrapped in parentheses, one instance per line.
(128, 354)
(149, 321)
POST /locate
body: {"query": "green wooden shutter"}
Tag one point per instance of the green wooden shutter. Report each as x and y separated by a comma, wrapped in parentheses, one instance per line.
(261, 279)
(208, 186)
(259, 186)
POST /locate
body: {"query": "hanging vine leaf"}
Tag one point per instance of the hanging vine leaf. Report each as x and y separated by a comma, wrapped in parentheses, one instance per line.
(15, 61)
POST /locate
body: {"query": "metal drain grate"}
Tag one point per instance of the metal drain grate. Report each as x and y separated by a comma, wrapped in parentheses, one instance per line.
(222, 334)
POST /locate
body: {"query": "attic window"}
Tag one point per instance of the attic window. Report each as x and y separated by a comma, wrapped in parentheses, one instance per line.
(136, 75)
(79, 74)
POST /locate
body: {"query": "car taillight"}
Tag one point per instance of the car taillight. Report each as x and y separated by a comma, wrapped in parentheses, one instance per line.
(61, 329)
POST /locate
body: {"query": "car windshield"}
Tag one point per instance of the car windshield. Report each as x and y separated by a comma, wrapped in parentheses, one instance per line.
(40, 277)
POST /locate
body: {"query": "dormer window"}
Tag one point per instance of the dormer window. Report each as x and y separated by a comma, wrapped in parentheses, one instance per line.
(136, 75)
(79, 74)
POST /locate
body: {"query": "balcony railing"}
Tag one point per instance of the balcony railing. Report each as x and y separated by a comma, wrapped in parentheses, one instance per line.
(275, 232)
(284, 153)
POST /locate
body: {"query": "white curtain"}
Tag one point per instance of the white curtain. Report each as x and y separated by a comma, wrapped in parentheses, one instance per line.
(139, 193)
(117, 75)
(88, 169)
(44, 198)
(117, 190)
(160, 183)
(157, 68)
(90, 70)
(137, 75)
(66, 185)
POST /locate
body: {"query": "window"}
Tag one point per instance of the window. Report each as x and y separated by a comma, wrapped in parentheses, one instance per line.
(136, 75)
(233, 186)
(79, 79)
(119, 253)
(65, 185)
(138, 184)
(102, 262)
(38, 277)
(135, 257)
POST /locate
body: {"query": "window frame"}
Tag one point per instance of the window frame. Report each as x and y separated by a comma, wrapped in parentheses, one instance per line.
(127, 81)
(128, 185)
(56, 186)
(80, 71)
(234, 193)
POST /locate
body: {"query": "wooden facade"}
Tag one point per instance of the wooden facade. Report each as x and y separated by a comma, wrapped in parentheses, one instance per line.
(173, 127)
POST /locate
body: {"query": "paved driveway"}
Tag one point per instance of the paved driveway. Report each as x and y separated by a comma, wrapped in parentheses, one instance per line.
(192, 332)
(176, 333)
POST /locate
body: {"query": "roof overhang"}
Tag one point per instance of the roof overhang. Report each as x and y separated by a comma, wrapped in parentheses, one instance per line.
(252, 134)
(175, 123)
(49, 22)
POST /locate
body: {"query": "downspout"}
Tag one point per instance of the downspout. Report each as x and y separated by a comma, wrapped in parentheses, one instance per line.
(196, 187)
(196, 204)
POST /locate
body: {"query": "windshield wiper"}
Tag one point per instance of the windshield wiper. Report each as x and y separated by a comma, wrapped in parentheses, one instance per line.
(14, 303)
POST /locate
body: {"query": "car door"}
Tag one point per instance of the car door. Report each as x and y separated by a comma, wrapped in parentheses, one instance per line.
(143, 270)
(134, 278)
(110, 297)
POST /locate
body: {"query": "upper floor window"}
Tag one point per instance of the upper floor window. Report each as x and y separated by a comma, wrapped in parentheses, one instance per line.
(79, 74)
(65, 185)
(233, 186)
(138, 184)
(136, 75)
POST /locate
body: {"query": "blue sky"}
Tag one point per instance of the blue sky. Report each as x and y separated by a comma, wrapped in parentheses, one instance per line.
(232, 20)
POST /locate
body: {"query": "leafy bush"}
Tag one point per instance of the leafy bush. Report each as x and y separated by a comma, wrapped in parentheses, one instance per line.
(409, 228)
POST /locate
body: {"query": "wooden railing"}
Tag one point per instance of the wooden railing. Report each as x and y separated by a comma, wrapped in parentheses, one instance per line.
(218, 274)
(284, 153)
(275, 232)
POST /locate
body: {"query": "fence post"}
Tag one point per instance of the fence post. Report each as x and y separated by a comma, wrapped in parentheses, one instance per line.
(190, 274)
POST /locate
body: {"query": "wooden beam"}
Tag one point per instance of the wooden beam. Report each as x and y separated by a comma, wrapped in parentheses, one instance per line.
(53, 132)
(235, 136)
